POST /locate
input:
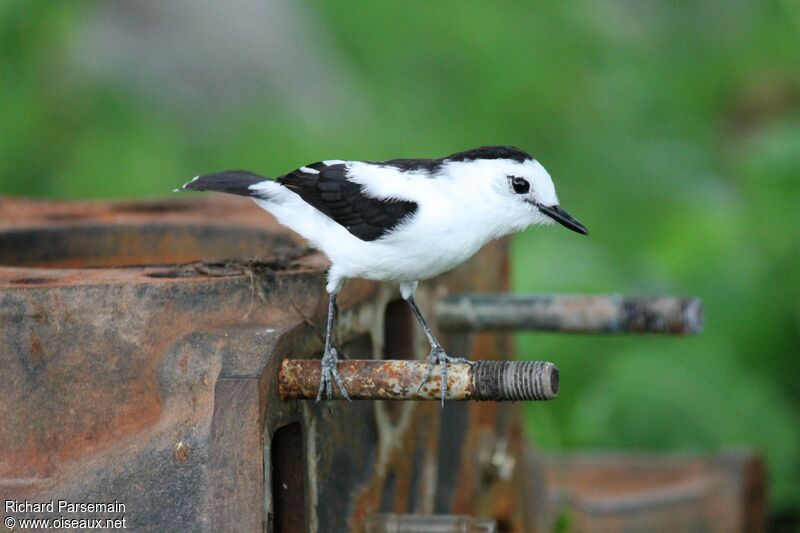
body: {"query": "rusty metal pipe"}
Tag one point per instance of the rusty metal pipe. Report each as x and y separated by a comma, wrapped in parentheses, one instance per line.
(399, 380)
(611, 313)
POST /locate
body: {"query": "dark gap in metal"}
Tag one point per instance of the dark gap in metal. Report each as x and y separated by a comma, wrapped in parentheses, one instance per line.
(398, 341)
(288, 479)
(452, 441)
(356, 348)
(389, 494)
(415, 496)
(107, 245)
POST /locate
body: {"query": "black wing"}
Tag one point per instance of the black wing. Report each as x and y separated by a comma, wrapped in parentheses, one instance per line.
(344, 201)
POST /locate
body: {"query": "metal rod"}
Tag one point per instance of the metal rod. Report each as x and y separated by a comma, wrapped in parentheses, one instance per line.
(611, 313)
(399, 380)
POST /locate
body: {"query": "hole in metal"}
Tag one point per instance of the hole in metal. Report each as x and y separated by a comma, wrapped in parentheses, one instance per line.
(288, 479)
(554, 381)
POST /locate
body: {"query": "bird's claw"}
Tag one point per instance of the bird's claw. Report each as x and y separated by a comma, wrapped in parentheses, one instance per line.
(328, 375)
(438, 356)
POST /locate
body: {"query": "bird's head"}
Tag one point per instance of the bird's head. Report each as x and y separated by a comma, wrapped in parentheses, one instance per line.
(519, 189)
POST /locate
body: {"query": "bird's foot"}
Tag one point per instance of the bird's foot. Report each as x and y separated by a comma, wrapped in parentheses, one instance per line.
(438, 356)
(328, 375)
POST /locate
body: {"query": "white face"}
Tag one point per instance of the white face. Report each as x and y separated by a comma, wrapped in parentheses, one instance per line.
(525, 186)
(529, 181)
(520, 193)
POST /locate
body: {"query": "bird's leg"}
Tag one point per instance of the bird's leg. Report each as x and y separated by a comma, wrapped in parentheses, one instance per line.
(437, 355)
(329, 360)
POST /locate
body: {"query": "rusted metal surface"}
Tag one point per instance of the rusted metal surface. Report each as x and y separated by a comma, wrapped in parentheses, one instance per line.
(140, 363)
(655, 493)
(144, 354)
(113, 382)
(400, 380)
(572, 313)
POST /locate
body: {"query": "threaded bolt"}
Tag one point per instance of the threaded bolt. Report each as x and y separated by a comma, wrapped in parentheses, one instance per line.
(515, 380)
(400, 380)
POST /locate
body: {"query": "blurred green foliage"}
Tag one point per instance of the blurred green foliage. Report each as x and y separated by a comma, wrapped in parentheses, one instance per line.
(672, 129)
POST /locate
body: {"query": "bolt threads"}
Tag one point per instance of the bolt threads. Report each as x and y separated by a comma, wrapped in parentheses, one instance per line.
(515, 380)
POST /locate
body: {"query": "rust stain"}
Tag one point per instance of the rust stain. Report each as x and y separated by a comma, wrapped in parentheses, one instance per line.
(36, 349)
(29, 281)
(376, 379)
(181, 453)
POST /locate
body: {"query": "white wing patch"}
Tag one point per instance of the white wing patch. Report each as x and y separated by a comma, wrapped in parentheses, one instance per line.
(387, 183)
(271, 190)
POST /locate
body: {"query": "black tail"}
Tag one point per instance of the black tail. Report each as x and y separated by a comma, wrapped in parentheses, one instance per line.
(229, 181)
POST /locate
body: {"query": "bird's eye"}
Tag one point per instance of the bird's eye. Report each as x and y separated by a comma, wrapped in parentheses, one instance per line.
(520, 185)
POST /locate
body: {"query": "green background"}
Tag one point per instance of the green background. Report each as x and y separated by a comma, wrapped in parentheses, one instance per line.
(671, 129)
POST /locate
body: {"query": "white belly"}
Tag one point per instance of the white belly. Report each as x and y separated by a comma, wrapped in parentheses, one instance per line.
(407, 255)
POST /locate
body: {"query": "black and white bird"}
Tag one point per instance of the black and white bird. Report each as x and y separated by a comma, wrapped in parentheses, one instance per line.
(402, 220)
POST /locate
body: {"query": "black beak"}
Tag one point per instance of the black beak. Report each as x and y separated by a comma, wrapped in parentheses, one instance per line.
(565, 219)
